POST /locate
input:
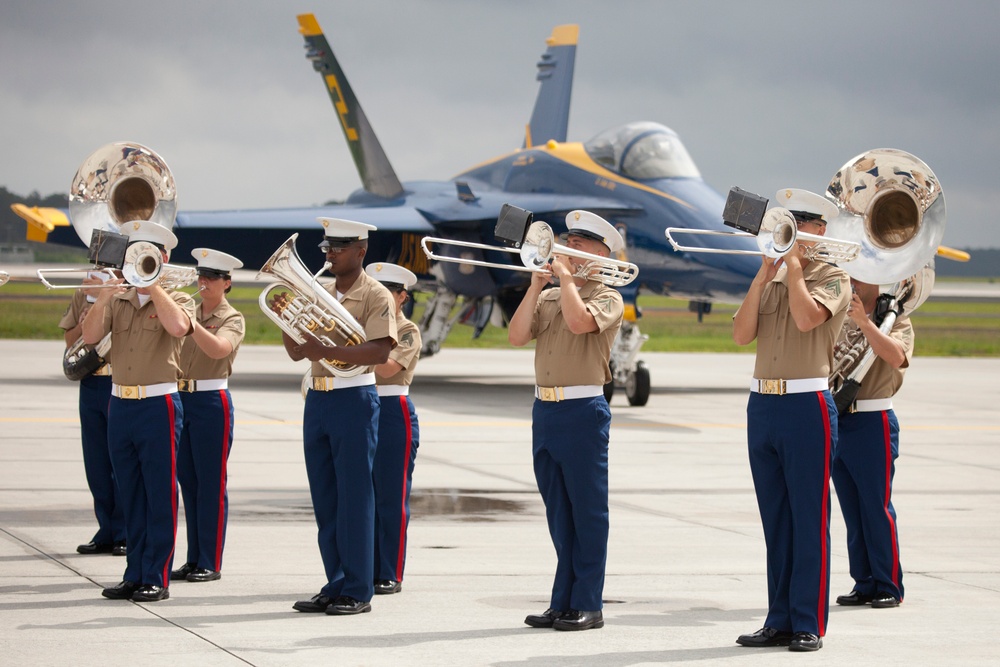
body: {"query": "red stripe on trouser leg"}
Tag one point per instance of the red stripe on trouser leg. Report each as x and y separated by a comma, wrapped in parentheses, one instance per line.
(406, 475)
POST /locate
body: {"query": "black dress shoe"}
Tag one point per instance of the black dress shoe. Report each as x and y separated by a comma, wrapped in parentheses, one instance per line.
(203, 574)
(545, 619)
(387, 587)
(122, 591)
(854, 599)
(150, 593)
(316, 605)
(805, 641)
(181, 573)
(119, 549)
(91, 548)
(766, 637)
(579, 620)
(346, 605)
(884, 601)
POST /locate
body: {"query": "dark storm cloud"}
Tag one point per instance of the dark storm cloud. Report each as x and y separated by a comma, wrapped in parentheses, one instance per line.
(764, 94)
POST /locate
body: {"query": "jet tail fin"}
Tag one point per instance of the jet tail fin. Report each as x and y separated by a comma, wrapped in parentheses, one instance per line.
(550, 118)
(376, 173)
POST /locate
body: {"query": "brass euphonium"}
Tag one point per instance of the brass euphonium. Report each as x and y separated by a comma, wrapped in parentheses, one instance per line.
(301, 307)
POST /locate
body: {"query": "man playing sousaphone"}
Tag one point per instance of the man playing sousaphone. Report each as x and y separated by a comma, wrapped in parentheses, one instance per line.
(95, 393)
(864, 465)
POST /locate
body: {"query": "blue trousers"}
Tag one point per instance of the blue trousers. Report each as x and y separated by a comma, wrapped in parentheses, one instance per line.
(202, 457)
(791, 442)
(570, 452)
(339, 435)
(95, 393)
(142, 436)
(867, 447)
(392, 475)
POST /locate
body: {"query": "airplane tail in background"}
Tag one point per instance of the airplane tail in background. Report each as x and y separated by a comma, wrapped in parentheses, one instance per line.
(550, 118)
(376, 173)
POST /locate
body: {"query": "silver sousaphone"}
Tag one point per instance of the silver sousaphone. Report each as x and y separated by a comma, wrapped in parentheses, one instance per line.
(119, 183)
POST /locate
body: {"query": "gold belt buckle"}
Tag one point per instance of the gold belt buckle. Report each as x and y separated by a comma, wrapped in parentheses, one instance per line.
(130, 391)
(186, 385)
(550, 393)
(772, 387)
(319, 384)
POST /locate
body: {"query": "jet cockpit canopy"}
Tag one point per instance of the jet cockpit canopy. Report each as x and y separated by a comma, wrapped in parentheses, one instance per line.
(643, 150)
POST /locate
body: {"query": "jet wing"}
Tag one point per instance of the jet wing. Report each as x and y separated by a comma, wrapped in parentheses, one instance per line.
(395, 218)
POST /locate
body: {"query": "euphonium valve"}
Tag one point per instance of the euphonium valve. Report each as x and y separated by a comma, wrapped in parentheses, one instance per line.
(301, 307)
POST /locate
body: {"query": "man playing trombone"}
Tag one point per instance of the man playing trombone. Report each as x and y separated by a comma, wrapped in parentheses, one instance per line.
(794, 309)
(147, 326)
(575, 325)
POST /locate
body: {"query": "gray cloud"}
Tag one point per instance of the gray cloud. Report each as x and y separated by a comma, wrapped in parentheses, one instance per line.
(765, 95)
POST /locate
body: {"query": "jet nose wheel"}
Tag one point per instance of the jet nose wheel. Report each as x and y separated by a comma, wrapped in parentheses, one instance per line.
(637, 385)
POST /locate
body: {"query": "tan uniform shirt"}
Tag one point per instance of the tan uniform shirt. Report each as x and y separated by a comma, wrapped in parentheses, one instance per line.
(225, 322)
(782, 350)
(405, 354)
(142, 352)
(566, 359)
(882, 380)
(372, 306)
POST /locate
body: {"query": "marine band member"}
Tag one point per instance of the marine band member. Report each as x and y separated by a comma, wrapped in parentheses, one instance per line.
(147, 328)
(574, 325)
(794, 309)
(864, 466)
(207, 438)
(95, 392)
(341, 426)
(398, 435)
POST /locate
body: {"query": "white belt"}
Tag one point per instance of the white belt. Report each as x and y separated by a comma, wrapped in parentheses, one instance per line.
(567, 393)
(202, 385)
(132, 391)
(872, 405)
(789, 386)
(324, 383)
(393, 390)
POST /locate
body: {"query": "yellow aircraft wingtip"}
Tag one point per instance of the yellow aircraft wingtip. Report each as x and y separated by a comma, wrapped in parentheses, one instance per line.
(40, 221)
(308, 25)
(954, 254)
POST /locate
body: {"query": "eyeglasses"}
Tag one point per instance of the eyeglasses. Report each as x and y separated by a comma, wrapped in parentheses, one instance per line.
(334, 249)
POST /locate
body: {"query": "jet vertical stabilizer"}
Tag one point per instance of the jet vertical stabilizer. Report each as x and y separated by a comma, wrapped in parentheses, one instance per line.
(376, 173)
(550, 118)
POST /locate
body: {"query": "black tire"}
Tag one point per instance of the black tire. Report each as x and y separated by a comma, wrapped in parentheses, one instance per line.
(637, 385)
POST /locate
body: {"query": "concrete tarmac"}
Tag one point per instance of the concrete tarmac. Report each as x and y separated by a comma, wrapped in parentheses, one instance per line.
(686, 571)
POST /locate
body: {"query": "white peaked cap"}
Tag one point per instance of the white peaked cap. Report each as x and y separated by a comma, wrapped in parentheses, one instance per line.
(144, 230)
(391, 273)
(795, 199)
(335, 228)
(215, 260)
(595, 227)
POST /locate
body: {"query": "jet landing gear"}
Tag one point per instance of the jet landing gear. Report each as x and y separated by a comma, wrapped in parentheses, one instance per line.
(437, 320)
(626, 372)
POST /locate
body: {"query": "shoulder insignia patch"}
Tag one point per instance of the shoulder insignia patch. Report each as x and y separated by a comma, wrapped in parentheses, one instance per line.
(407, 339)
(833, 287)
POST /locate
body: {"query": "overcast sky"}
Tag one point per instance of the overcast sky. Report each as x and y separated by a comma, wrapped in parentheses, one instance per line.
(765, 94)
